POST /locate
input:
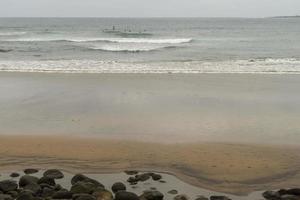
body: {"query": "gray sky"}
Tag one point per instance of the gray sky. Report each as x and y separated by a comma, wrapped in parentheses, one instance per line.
(148, 8)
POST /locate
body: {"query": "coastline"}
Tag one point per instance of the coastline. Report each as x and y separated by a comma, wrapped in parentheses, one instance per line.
(231, 168)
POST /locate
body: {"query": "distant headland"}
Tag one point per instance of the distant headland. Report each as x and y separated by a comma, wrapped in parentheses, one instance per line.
(292, 16)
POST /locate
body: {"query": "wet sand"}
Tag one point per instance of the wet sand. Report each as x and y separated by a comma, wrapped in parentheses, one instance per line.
(230, 168)
(216, 131)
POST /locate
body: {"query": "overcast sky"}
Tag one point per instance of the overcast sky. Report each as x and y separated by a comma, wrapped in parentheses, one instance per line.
(148, 8)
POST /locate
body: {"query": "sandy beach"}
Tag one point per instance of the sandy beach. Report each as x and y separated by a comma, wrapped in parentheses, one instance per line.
(231, 168)
(215, 131)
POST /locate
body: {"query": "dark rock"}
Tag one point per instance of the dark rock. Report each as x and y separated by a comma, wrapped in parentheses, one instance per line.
(103, 194)
(53, 173)
(58, 187)
(293, 191)
(131, 172)
(289, 197)
(123, 195)
(30, 171)
(62, 194)
(8, 185)
(14, 175)
(25, 195)
(83, 187)
(200, 197)
(152, 195)
(219, 198)
(118, 187)
(181, 197)
(47, 180)
(13, 194)
(34, 187)
(156, 177)
(45, 185)
(272, 195)
(5, 197)
(47, 192)
(282, 192)
(83, 178)
(83, 197)
(5, 50)
(162, 181)
(173, 192)
(27, 179)
(132, 180)
(143, 177)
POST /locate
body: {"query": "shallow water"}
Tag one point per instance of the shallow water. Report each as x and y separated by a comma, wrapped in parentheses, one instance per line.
(171, 182)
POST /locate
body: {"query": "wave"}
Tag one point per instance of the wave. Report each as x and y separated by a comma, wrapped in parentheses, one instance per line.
(113, 40)
(265, 66)
(12, 33)
(129, 48)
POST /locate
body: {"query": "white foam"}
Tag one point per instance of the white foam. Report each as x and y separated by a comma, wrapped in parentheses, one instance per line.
(267, 66)
(115, 40)
(12, 33)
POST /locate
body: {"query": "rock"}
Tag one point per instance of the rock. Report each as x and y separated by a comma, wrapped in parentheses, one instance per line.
(34, 187)
(13, 194)
(143, 177)
(30, 171)
(289, 197)
(293, 191)
(162, 181)
(181, 197)
(132, 180)
(83, 187)
(62, 194)
(5, 50)
(200, 197)
(152, 195)
(53, 173)
(25, 195)
(131, 172)
(156, 177)
(47, 192)
(83, 178)
(14, 175)
(118, 187)
(219, 198)
(271, 195)
(8, 185)
(173, 192)
(103, 195)
(5, 197)
(123, 195)
(83, 197)
(47, 180)
(27, 179)
(58, 187)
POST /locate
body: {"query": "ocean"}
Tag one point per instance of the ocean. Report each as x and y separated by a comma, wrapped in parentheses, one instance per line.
(153, 45)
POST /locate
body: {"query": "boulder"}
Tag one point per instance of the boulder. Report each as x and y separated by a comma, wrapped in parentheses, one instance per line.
(34, 187)
(289, 197)
(271, 195)
(181, 197)
(62, 194)
(293, 191)
(13, 194)
(123, 195)
(8, 185)
(30, 171)
(83, 178)
(83, 197)
(14, 175)
(155, 176)
(200, 197)
(53, 173)
(152, 195)
(6, 197)
(47, 192)
(143, 177)
(103, 194)
(47, 180)
(214, 197)
(131, 172)
(173, 192)
(25, 195)
(83, 187)
(27, 179)
(118, 187)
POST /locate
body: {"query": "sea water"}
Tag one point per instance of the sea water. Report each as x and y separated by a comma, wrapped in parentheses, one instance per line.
(157, 45)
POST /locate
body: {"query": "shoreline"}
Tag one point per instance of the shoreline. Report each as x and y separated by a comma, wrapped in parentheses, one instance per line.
(107, 156)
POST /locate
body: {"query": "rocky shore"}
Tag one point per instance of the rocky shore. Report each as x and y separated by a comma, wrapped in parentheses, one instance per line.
(30, 186)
